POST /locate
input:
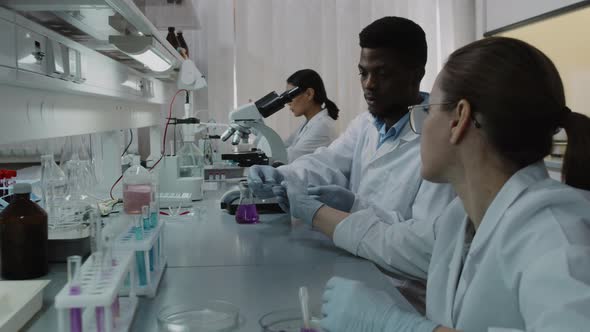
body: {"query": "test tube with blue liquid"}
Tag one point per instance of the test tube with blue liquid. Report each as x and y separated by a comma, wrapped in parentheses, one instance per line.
(75, 289)
(154, 215)
(141, 271)
(147, 224)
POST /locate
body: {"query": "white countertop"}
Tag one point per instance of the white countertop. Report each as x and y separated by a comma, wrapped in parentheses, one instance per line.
(258, 267)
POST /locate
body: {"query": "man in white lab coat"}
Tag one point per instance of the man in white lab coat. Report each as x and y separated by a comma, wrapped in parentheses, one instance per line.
(377, 157)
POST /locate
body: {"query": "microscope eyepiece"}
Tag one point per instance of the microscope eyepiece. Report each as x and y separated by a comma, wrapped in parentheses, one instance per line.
(272, 102)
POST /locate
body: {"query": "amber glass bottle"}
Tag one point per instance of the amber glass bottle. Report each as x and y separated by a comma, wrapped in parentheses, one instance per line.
(23, 237)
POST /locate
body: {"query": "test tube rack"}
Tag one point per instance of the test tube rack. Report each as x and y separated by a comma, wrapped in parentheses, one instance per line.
(99, 289)
(153, 239)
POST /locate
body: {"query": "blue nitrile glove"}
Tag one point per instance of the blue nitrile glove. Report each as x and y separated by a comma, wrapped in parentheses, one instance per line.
(350, 306)
(302, 205)
(333, 196)
(262, 178)
(280, 193)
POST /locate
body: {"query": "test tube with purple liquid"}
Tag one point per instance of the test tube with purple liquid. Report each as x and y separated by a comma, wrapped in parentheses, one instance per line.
(75, 289)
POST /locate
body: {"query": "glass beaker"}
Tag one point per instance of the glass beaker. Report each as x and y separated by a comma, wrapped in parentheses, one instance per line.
(190, 160)
(246, 212)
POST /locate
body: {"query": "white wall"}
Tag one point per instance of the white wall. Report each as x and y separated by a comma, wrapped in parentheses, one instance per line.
(275, 38)
(500, 13)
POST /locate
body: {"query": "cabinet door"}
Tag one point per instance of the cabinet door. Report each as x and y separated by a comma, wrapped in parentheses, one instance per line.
(32, 50)
(7, 49)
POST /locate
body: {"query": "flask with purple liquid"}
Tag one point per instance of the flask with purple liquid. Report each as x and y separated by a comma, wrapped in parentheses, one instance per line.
(246, 212)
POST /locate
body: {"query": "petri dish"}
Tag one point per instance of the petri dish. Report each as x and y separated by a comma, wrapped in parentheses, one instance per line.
(213, 316)
(288, 320)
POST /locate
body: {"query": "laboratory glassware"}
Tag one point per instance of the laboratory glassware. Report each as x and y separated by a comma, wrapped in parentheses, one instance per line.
(77, 205)
(182, 42)
(190, 160)
(141, 270)
(246, 212)
(138, 185)
(53, 183)
(211, 317)
(74, 263)
(289, 320)
(109, 264)
(172, 39)
(23, 237)
(147, 225)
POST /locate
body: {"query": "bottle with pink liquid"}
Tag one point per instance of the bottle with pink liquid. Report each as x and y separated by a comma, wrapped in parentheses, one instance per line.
(137, 188)
(246, 212)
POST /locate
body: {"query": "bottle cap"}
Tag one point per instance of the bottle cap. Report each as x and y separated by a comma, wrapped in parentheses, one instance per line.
(22, 188)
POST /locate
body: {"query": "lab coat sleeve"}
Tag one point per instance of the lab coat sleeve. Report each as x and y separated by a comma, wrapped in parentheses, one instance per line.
(554, 292)
(398, 245)
(402, 247)
(317, 136)
(331, 164)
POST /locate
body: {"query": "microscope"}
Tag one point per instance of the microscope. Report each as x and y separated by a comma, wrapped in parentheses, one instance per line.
(248, 119)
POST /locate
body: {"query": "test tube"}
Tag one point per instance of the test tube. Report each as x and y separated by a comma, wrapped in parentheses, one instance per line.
(75, 289)
(110, 262)
(154, 210)
(99, 311)
(147, 224)
(141, 272)
(96, 222)
(145, 216)
(154, 223)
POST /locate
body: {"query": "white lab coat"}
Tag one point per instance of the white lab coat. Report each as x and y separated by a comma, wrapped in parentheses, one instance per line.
(388, 177)
(528, 266)
(319, 131)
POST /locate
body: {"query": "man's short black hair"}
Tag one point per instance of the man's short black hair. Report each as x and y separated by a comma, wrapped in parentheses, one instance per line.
(405, 37)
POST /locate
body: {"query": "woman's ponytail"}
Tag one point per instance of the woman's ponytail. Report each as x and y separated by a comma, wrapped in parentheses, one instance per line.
(332, 109)
(310, 79)
(576, 161)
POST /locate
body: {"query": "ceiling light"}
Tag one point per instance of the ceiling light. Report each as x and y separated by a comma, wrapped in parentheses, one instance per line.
(145, 49)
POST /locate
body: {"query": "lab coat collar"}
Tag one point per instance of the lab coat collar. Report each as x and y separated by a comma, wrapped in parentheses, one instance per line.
(512, 189)
(305, 125)
(455, 267)
(407, 133)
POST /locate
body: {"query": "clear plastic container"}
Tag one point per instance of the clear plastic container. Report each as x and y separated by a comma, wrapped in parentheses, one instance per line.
(138, 185)
(190, 161)
(214, 316)
(289, 320)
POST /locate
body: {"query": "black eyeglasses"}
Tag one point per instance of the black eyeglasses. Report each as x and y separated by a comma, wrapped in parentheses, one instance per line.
(418, 114)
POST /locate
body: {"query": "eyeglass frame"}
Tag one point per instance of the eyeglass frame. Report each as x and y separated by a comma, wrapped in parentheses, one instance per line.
(425, 108)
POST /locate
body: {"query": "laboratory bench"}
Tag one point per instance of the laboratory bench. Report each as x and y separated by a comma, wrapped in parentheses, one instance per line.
(257, 267)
